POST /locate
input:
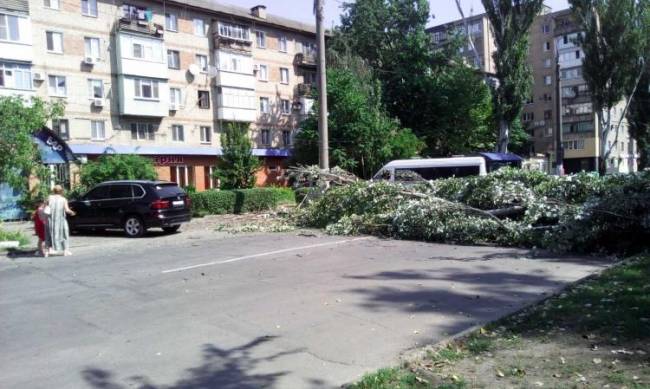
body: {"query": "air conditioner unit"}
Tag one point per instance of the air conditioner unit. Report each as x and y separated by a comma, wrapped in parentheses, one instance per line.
(90, 60)
(38, 76)
(98, 102)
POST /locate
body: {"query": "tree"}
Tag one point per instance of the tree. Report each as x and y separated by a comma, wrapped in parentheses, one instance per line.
(614, 38)
(440, 98)
(511, 21)
(19, 122)
(639, 119)
(238, 165)
(110, 167)
(362, 135)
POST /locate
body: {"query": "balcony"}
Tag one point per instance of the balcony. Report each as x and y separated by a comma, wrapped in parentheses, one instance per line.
(304, 89)
(141, 26)
(307, 60)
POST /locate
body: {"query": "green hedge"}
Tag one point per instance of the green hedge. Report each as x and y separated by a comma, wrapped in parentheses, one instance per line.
(217, 202)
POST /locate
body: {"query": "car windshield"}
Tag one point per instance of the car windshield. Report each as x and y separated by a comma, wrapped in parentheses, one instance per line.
(167, 190)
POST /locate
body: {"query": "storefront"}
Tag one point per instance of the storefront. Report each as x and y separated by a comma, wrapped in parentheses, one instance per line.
(190, 166)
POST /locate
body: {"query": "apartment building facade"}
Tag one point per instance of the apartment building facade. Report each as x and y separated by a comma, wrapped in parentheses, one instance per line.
(552, 39)
(161, 79)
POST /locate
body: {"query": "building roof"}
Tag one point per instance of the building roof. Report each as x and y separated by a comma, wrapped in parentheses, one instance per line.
(245, 13)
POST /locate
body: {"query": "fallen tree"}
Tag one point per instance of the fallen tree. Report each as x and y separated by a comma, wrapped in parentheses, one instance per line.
(583, 213)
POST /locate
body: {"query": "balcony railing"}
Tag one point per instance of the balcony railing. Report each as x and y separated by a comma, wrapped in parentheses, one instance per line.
(306, 59)
(305, 89)
(142, 26)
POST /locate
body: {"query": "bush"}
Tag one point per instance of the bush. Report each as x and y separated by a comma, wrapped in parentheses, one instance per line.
(217, 202)
(6, 236)
(117, 167)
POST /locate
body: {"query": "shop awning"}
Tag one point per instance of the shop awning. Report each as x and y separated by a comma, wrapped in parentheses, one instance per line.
(53, 149)
(98, 149)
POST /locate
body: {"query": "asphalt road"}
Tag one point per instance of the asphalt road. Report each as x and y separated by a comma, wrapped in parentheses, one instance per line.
(254, 311)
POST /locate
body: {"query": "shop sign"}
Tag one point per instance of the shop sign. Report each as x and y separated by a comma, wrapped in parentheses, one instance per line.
(167, 160)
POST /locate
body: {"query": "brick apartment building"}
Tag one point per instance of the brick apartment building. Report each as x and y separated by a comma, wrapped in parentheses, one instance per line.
(161, 79)
(552, 34)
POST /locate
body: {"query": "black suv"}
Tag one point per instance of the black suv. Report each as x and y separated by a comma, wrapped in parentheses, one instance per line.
(133, 206)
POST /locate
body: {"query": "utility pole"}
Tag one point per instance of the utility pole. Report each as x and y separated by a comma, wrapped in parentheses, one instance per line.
(559, 146)
(323, 144)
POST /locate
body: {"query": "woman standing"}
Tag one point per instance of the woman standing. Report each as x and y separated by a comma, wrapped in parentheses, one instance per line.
(57, 223)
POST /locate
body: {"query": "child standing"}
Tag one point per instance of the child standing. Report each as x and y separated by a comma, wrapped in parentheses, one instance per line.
(40, 226)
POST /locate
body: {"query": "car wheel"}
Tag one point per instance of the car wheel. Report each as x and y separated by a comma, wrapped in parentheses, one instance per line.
(172, 229)
(134, 227)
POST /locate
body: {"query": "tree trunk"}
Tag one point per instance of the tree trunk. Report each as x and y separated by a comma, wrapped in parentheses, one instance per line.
(504, 136)
(603, 132)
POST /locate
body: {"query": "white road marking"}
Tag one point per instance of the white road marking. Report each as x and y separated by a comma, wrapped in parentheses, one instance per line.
(313, 246)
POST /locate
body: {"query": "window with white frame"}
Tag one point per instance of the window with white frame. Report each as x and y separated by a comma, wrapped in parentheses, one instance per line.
(175, 96)
(15, 76)
(171, 22)
(178, 133)
(138, 50)
(284, 75)
(142, 131)
(91, 47)
(146, 89)
(200, 27)
(236, 98)
(286, 106)
(260, 38)
(264, 105)
(266, 137)
(145, 49)
(438, 36)
(286, 138)
(9, 30)
(89, 8)
(236, 63)
(547, 63)
(53, 4)
(202, 62)
(263, 73)
(57, 86)
(546, 28)
(528, 116)
(282, 45)
(206, 134)
(210, 181)
(54, 41)
(95, 89)
(173, 59)
(475, 28)
(61, 127)
(97, 130)
(548, 80)
(309, 48)
(234, 31)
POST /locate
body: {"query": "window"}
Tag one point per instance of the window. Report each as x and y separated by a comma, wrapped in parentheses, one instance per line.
(204, 99)
(284, 75)
(178, 133)
(99, 193)
(548, 114)
(264, 105)
(266, 137)
(577, 54)
(9, 28)
(286, 138)
(61, 128)
(528, 116)
(200, 28)
(173, 59)
(182, 175)
(546, 28)
(547, 63)
(547, 97)
(283, 47)
(206, 134)
(260, 38)
(548, 80)
(438, 36)
(54, 4)
(202, 62)
(175, 96)
(574, 144)
(138, 50)
(89, 7)
(570, 74)
(15, 76)
(565, 39)
(171, 22)
(97, 130)
(121, 192)
(57, 86)
(286, 106)
(310, 78)
(209, 180)
(95, 89)
(547, 46)
(142, 131)
(234, 31)
(146, 89)
(263, 73)
(54, 41)
(91, 47)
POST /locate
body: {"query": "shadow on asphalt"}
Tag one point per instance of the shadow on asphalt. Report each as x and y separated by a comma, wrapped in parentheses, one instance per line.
(117, 233)
(221, 368)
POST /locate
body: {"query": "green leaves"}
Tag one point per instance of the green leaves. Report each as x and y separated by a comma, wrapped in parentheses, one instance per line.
(117, 167)
(238, 165)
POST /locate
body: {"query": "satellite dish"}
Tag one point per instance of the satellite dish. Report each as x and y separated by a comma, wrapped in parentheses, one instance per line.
(193, 69)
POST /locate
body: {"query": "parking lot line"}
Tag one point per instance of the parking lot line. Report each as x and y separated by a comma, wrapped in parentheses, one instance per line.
(312, 246)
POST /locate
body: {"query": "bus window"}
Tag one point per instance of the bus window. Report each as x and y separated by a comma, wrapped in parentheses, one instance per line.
(434, 173)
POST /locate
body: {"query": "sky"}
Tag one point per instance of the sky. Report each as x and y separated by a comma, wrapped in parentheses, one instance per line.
(302, 10)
